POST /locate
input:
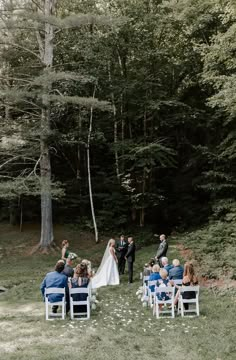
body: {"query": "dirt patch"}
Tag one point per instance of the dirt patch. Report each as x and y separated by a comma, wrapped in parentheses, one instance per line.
(222, 283)
(186, 254)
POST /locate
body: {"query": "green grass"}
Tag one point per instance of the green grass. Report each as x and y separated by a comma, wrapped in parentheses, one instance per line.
(119, 328)
(214, 249)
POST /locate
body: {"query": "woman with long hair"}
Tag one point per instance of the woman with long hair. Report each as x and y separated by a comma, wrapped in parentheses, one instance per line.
(189, 279)
(80, 280)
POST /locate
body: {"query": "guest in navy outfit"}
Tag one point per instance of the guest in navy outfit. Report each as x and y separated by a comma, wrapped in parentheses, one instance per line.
(176, 273)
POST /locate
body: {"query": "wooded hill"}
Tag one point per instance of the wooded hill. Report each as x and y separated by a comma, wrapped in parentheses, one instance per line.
(123, 106)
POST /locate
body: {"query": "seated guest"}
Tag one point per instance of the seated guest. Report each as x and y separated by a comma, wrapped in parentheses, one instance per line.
(89, 266)
(68, 269)
(59, 280)
(163, 282)
(80, 280)
(148, 267)
(189, 279)
(154, 276)
(165, 264)
(177, 271)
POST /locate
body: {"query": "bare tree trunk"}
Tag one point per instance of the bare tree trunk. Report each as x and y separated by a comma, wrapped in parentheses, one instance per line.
(89, 172)
(21, 213)
(115, 125)
(46, 50)
(142, 210)
(45, 178)
(78, 172)
(122, 132)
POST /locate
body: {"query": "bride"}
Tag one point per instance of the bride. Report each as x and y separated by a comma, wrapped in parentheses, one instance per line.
(107, 273)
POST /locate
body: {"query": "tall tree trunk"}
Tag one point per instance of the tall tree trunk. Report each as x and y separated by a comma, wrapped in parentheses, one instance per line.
(78, 171)
(45, 163)
(89, 172)
(122, 132)
(142, 210)
(115, 125)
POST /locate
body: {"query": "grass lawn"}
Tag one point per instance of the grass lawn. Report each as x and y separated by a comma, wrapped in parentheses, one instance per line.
(119, 328)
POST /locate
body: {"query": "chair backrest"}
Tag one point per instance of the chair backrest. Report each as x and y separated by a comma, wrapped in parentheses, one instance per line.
(152, 283)
(164, 289)
(178, 281)
(145, 278)
(190, 288)
(79, 290)
(54, 290)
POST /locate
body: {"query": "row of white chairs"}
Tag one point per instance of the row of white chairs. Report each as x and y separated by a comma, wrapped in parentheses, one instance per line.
(168, 306)
(50, 315)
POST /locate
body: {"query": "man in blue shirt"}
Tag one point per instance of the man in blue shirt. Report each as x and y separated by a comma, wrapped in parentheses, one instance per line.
(176, 273)
(59, 280)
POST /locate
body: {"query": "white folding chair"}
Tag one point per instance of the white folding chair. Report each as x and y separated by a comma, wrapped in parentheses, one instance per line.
(193, 301)
(80, 315)
(170, 292)
(145, 279)
(145, 287)
(90, 290)
(178, 282)
(151, 294)
(49, 314)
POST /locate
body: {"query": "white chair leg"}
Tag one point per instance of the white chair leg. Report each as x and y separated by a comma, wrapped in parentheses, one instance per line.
(157, 311)
(71, 310)
(173, 309)
(182, 308)
(154, 308)
(88, 310)
(197, 307)
(46, 304)
(63, 311)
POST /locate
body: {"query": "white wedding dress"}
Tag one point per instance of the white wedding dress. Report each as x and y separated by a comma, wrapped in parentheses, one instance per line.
(107, 273)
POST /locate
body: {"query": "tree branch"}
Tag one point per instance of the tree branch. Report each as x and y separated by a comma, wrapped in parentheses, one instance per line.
(23, 48)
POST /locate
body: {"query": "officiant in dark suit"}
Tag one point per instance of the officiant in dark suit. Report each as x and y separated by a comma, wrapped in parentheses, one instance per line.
(121, 248)
(130, 257)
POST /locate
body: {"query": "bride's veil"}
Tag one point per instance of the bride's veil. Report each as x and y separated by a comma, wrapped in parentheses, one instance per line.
(105, 256)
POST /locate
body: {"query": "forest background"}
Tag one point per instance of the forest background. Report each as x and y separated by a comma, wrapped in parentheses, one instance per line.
(119, 116)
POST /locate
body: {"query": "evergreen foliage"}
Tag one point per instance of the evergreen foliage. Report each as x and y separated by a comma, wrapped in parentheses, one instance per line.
(162, 146)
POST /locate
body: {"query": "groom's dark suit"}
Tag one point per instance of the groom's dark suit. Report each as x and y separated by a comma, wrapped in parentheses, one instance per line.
(121, 248)
(130, 256)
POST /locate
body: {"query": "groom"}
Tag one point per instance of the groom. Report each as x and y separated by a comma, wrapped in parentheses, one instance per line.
(122, 248)
(130, 257)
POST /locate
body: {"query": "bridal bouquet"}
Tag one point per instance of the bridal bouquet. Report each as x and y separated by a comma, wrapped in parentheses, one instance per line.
(72, 256)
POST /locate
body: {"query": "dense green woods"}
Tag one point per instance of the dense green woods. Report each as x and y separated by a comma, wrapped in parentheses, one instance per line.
(137, 96)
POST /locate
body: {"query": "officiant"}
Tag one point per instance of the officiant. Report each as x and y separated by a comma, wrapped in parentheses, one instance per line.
(121, 248)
